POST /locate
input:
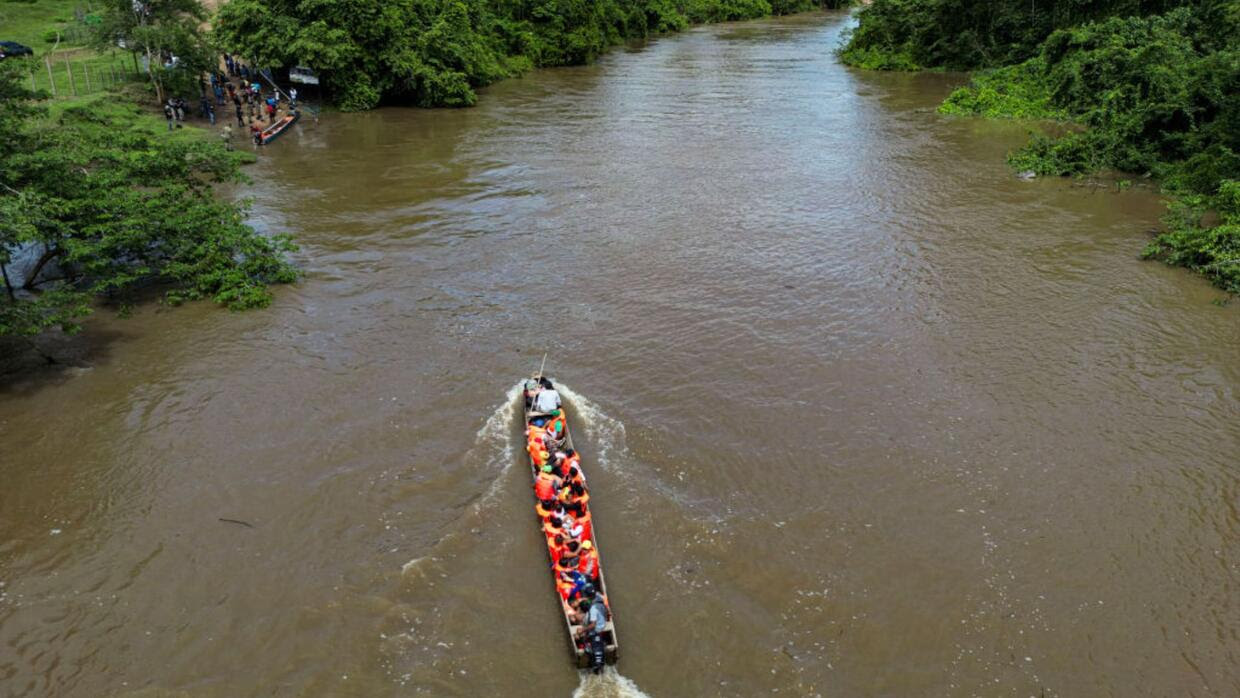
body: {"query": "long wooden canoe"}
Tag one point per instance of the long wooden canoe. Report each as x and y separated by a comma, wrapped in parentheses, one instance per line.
(581, 653)
(277, 129)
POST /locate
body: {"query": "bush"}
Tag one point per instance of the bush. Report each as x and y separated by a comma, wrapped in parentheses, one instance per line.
(1213, 251)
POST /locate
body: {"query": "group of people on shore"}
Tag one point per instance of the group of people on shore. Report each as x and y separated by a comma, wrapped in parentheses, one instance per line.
(236, 86)
(563, 508)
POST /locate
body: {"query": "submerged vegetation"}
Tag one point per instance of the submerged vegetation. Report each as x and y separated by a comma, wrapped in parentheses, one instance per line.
(1154, 87)
(436, 52)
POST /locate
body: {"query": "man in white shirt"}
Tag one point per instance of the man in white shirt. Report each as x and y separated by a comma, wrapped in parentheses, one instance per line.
(547, 400)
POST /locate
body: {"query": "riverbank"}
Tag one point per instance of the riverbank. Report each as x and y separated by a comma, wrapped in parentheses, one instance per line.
(1151, 95)
(101, 200)
(432, 54)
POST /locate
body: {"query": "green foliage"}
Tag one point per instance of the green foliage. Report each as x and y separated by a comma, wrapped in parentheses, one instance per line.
(1213, 251)
(1015, 92)
(1153, 86)
(166, 29)
(437, 52)
(116, 206)
(965, 34)
(1150, 98)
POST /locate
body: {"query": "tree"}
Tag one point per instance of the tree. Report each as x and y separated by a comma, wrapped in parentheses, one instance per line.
(436, 52)
(168, 34)
(113, 207)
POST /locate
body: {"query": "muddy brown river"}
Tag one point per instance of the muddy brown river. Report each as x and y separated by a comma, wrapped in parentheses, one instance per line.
(864, 414)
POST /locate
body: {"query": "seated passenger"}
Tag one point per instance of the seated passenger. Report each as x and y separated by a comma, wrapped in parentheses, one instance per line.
(554, 526)
(531, 391)
(587, 560)
(539, 455)
(576, 583)
(565, 587)
(546, 486)
(572, 529)
(583, 526)
(574, 498)
(555, 546)
(572, 459)
(546, 512)
(568, 557)
(556, 422)
(558, 460)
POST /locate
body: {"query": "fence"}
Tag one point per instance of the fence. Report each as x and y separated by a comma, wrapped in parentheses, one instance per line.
(62, 76)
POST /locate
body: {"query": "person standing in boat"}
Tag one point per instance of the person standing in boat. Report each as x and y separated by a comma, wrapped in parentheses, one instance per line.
(593, 615)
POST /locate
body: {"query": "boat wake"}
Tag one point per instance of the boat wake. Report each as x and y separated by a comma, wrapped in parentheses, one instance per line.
(495, 446)
(606, 432)
(609, 684)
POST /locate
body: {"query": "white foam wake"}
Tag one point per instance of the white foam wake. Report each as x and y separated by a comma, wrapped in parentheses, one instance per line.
(606, 432)
(609, 684)
(494, 446)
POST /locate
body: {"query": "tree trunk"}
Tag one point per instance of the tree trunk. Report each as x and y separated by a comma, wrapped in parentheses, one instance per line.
(150, 70)
(8, 285)
(48, 255)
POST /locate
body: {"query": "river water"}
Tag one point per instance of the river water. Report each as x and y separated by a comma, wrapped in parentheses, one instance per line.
(864, 414)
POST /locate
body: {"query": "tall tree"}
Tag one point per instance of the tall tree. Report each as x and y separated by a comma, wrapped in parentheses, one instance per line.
(169, 36)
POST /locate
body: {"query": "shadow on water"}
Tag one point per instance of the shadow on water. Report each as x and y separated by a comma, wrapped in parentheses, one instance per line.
(29, 365)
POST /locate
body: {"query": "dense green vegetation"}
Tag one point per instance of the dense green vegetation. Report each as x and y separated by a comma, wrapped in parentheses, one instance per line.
(103, 201)
(1153, 86)
(436, 52)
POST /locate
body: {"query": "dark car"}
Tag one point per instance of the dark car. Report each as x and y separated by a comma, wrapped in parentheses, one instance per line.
(12, 48)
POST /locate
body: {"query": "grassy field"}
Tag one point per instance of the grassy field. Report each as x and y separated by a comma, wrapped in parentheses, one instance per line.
(32, 23)
(73, 70)
(75, 73)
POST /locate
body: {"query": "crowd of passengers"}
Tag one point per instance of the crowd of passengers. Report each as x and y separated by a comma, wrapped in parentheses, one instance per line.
(563, 507)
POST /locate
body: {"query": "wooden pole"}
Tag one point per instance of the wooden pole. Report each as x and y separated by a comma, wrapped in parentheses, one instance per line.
(50, 78)
(542, 366)
(72, 84)
(33, 85)
(86, 69)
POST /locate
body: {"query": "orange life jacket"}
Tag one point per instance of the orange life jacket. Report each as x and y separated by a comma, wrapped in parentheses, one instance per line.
(556, 551)
(545, 486)
(587, 563)
(551, 426)
(543, 514)
(552, 531)
(575, 461)
(587, 529)
(567, 497)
